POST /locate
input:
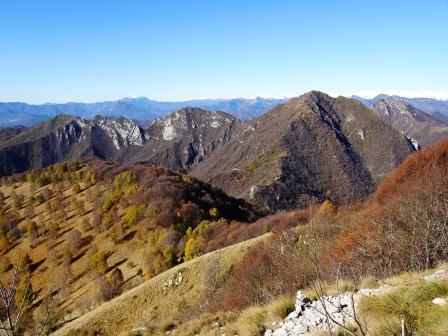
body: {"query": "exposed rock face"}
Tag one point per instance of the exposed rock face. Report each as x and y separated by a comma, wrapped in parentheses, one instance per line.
(68, 138)
(310, 317)
(114, 139)
(438, 109)
(437, 275)
(178, 141)
(404, 117)
(311, 148)
(186, 137)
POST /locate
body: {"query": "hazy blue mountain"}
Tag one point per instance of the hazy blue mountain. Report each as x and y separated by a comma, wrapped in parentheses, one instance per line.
(437, 108)
(141, 108)
(12, 116)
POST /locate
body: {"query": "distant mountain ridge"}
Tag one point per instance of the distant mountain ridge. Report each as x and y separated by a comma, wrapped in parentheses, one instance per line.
(140, 108)
(14, 114)
(435, 107)
(423, 127)
(304, 151)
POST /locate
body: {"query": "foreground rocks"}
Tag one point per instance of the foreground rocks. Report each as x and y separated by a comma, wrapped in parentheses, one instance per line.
(326, 313)
(332, 312)
(437, 275)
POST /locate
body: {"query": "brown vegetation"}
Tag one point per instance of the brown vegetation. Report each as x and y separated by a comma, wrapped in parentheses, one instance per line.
(79, 222)
(403, 227)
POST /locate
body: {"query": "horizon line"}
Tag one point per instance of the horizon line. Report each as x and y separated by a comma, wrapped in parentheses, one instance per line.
(366, 94)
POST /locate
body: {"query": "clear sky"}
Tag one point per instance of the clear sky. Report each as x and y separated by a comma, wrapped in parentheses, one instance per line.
(88, 50)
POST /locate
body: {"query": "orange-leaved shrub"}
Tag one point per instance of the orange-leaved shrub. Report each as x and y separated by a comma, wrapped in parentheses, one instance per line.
(405, 224)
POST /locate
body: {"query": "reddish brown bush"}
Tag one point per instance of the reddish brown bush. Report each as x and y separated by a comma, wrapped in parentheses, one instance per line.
(268, 270)
(405, 225)
(433, 158)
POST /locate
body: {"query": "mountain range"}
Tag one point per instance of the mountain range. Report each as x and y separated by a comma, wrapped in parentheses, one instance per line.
(303, 151)
(306, 150)
(112, 226)
(435, 107)
(423, 128)
(140, 108)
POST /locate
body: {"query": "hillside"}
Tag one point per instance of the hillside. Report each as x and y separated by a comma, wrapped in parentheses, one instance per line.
(173, 297)
(100, 229)
(311, 148)
(420, 126)
(437, 108)
(178, 141)
(67, 138)
(393, 239)
(185, 138)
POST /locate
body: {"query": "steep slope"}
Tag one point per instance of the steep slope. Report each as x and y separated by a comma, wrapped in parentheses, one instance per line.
(138, 220)
(69, 138)
(159, 301)
(435, 107)
(186, 137)
(9, 132)
(429, 164)
(311, 148)
(417, 124)
(178, 141)
(149, 307)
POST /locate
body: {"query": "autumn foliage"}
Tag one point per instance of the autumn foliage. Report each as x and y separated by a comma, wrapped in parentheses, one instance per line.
(405, 224)
(402, 227)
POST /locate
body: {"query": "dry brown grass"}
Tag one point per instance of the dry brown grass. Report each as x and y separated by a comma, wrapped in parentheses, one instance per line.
(149, 305)
(47, 275)
(63, 234)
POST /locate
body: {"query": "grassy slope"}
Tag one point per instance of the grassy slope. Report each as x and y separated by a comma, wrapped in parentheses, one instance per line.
(81, 288)
(82, 295)
(412, 301)
(82, 291)
(149, 302)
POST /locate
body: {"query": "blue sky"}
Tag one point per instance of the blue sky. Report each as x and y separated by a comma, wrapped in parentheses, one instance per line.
(80, 50)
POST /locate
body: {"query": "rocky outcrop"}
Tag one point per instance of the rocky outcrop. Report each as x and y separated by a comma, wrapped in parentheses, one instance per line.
(418, 125)
(307, 150)
(331, 312)
(69, 138)
(326, 313)
(186, 138)
(436, 108)
(179, 141)
(437, 275)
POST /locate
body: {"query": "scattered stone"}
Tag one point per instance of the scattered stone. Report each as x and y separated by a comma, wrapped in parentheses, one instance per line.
(440, 301)
(139, 331)
(301, 301)
(437, 275)
(172, 281)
